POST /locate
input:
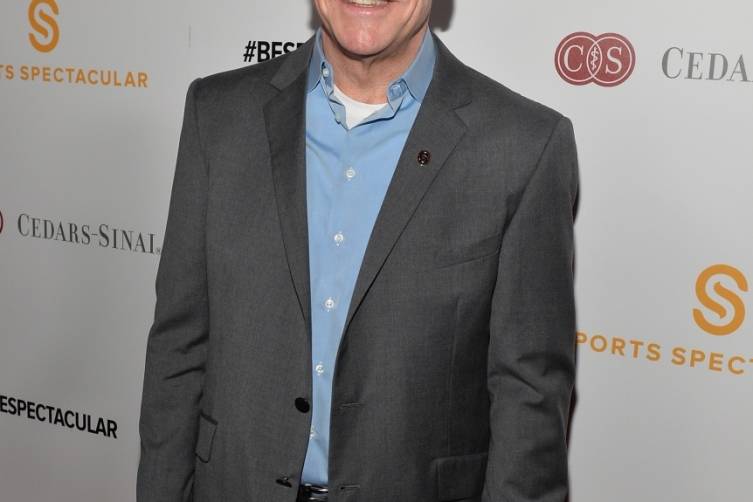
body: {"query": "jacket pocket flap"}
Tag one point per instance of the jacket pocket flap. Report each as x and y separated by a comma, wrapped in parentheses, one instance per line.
(463, 252)
(461, 476)
(207, 428)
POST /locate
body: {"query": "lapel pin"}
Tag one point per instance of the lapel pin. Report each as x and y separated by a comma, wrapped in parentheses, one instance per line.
(424, 157)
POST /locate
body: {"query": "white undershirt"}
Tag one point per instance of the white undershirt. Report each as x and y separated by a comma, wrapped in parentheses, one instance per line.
(355, 111)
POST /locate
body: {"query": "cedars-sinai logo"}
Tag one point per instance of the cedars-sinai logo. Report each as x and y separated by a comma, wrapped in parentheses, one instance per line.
(41, 20)
(730, 321)
(606, 60)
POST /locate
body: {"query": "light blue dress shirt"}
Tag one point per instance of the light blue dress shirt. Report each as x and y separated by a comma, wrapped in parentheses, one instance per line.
(347, 175)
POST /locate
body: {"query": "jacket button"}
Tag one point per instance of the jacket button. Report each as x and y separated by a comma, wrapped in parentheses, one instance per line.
(284, 481)
(302, 404)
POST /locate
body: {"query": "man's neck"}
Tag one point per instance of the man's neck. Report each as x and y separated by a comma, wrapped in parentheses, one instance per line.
(366, 79)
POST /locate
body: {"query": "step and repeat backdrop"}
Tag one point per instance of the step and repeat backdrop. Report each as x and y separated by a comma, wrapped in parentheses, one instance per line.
(661, 96)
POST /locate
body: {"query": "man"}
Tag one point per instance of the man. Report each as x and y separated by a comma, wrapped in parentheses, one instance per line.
(366, 286)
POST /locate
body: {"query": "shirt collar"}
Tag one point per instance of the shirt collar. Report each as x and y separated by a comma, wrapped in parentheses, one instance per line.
(415, 79)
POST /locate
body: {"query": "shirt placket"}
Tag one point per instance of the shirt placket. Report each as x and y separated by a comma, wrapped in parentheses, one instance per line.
(334, 288)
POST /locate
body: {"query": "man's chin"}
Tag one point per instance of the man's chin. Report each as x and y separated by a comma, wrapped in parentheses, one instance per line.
(361, 46)
(363, 51)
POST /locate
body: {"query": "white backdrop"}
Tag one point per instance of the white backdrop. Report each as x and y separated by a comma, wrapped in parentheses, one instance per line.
(663, 410)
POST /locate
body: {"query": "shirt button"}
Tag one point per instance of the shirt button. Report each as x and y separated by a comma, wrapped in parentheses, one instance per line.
(325, 72)
(350, 173)
(396, 90)
(329, 303)
(319, 368)
(339, 238)
(312, 434)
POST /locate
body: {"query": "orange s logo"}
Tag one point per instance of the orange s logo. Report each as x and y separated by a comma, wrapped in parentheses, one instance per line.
(738, 315)
(44, 24)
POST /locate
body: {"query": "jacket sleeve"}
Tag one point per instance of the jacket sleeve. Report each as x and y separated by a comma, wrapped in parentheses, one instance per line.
(177, 341)
(531, 359)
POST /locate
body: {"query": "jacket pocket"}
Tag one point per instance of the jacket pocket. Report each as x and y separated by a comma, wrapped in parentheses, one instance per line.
(205, 438)
(461, 476)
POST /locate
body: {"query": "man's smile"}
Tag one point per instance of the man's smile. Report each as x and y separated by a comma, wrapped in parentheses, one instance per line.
(367, 3)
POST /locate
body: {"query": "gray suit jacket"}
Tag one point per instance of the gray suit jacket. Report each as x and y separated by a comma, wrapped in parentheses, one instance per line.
(455, 371)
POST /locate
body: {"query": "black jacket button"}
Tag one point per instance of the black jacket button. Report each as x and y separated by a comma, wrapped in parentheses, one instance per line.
(284, 481)
(302, 404)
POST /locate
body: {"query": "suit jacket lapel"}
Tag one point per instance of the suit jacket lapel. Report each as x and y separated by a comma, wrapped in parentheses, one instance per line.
(286, 131)
(437, 129)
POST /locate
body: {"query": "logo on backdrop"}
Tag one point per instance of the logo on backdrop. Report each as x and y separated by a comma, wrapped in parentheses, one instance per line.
(679, 63)
(63, 417)
(46, 31)
(44, 37)
(262, 50)
(606, 60)
(102, 235)
(723, 314)
(735, 316)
